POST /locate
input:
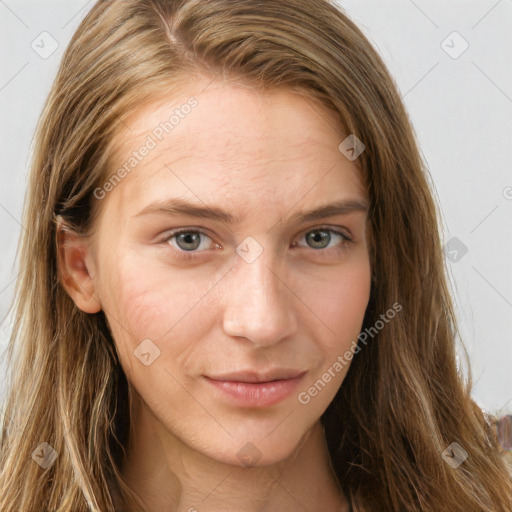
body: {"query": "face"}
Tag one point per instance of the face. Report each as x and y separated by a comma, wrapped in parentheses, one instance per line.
(206, 309)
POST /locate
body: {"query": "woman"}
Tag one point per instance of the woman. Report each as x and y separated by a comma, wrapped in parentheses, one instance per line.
(232, 291)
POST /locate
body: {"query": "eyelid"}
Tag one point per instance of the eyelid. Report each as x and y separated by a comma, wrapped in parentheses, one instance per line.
(345, 232)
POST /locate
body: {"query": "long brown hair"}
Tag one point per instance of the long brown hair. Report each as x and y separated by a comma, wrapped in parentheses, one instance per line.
(403, 401)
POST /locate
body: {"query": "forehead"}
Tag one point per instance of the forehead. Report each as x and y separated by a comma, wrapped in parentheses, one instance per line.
(229, 139)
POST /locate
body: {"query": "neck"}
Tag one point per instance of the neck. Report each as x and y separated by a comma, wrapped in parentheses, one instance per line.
(168, 475)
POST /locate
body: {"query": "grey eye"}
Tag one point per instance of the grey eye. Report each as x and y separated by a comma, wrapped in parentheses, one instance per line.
(319, 238)
(188, 240)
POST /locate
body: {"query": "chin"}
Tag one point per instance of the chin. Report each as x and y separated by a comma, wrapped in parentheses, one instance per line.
(258, 448)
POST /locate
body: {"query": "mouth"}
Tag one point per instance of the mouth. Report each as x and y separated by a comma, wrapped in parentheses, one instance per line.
(250, 389)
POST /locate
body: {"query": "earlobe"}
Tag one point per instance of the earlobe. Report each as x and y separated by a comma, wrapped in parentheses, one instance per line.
(74, 271)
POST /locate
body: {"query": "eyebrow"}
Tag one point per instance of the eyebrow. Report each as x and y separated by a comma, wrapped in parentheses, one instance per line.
(178, 206)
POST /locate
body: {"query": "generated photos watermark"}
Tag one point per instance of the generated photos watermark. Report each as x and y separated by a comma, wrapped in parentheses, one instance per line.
(304, 397)
(151, 142)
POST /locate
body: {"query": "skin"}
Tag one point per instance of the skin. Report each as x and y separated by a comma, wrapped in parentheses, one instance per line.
(263, 157)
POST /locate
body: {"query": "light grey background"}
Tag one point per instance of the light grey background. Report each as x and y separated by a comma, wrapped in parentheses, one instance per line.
(460, 103)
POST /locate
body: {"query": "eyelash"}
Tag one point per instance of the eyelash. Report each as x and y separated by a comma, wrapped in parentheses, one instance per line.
(191, 255)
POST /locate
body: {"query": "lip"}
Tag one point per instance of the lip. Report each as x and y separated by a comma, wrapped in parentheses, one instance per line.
(248, 389)
(252, 376)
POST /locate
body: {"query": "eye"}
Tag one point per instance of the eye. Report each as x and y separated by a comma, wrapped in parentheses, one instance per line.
(320, 238)
(187, 241)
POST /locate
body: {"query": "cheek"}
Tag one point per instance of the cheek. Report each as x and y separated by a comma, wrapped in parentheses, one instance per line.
(341, 304)
(149, 302)
(352, 299)
(143, 297)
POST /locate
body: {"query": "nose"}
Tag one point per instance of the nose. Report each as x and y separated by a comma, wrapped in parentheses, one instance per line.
(259, 304)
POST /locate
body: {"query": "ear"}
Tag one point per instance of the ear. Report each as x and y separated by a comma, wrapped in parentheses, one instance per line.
(74, 269)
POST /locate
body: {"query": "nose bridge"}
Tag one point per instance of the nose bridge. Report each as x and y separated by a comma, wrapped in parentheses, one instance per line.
(259, 306)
